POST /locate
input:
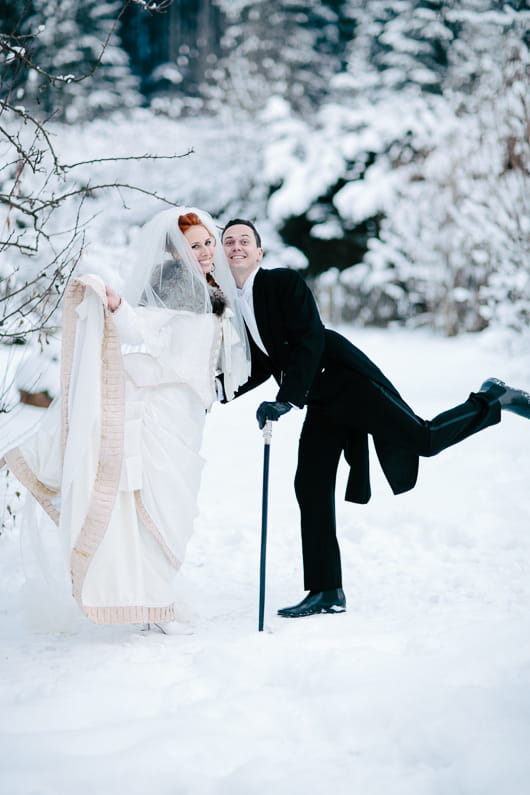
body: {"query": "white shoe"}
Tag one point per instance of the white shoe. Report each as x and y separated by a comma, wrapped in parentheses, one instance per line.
(172, 628)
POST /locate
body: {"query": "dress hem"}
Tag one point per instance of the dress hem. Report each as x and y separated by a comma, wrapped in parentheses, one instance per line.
(129, 614)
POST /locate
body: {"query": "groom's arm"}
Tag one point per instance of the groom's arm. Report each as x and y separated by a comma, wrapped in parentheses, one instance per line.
(258, 376)
(304, 337)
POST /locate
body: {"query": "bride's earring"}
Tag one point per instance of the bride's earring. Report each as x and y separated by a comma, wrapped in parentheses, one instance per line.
(212, 269)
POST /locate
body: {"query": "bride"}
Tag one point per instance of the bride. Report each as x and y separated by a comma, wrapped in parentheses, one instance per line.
(115, 462)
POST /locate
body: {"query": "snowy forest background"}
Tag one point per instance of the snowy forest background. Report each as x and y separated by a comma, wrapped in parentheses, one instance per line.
(383, 147)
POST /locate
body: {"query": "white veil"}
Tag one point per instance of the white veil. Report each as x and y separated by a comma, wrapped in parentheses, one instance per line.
(168, 275)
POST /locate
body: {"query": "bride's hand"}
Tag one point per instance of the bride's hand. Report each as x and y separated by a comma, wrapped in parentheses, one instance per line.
(113, 299)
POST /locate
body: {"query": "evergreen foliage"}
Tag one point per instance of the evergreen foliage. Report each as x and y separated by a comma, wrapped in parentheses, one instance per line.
(454, 246)
(400, 43)
(173, 52)
(390, 138)
(72, 41)
(281, 47)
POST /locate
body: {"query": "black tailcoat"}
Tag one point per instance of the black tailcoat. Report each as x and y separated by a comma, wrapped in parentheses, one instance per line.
(347, 398)
(311, 364)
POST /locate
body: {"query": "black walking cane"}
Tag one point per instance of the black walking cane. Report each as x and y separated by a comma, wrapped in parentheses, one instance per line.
(267, 436)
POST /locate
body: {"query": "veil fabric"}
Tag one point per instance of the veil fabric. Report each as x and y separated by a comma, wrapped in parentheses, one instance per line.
(167, 275)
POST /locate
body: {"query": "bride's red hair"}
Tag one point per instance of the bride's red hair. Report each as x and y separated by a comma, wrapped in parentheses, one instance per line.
(188, 220)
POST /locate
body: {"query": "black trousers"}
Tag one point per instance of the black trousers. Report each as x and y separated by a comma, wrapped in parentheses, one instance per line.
(365, 406)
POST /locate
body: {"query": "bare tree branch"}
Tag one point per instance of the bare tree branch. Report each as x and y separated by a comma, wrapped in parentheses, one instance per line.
(29, 230)
(145, 156)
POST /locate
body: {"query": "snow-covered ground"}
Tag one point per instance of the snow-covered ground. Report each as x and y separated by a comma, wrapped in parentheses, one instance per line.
(421, 688)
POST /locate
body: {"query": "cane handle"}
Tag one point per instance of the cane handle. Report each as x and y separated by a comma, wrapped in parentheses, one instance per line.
(267, 432)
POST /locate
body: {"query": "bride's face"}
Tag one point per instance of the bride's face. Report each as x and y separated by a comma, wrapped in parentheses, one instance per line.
(203, 246)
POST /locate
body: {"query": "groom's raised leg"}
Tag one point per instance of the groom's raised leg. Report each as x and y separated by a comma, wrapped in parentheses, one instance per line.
(383, 414)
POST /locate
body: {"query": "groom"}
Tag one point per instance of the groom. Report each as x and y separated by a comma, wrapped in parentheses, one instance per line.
(347, 398)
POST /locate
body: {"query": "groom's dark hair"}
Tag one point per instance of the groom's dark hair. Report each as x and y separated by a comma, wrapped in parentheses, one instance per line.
(244, 222)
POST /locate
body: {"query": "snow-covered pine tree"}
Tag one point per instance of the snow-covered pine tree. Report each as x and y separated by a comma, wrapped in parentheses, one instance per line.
(71, 39)
(500, 205)
(12, 74)
(280, 48)
(378, 115)
(174, 49)
(398, 43)
(454, 244)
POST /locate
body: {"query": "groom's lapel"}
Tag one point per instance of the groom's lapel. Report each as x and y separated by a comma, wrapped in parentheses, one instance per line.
(263, 309)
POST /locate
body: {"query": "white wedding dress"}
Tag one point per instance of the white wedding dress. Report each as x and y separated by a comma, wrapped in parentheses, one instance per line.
(115, 462)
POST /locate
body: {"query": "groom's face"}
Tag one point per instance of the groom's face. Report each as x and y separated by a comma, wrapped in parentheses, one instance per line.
(242, 251)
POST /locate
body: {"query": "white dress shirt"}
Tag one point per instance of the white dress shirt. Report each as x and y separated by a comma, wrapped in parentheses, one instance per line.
(246, 304)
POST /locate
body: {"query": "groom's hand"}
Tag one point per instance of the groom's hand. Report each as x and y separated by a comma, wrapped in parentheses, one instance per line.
(271, 410)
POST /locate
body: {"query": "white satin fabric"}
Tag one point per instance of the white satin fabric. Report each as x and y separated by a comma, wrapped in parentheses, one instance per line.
(169, 368)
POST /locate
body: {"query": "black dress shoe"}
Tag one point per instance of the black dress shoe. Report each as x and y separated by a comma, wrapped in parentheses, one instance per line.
(332, 601)
(514, 400)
